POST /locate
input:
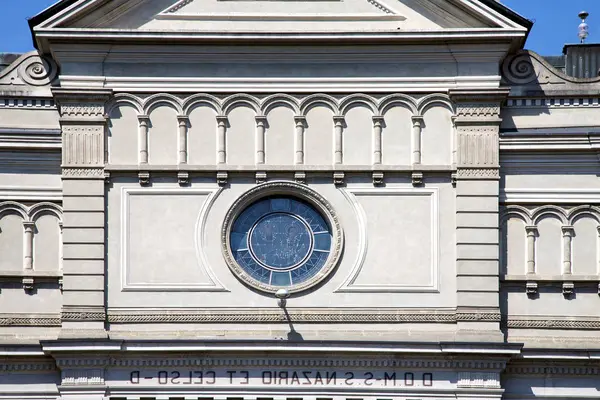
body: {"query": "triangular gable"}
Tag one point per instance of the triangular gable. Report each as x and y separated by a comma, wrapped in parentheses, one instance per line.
(128, 18)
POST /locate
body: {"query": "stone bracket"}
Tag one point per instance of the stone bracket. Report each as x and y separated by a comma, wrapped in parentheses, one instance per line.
(300, 177)
(261, 177)
(339, 178)
(378, 178)
(144, 178)
(183, 178)
(28, 284)
(417, 178)
(222, 178)
(568, 289)
(531, 288)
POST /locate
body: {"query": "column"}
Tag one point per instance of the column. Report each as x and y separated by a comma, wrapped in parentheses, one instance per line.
(28, 228)
(417, 128)
(143, 121)
(568, 233)
(183, 122)
(338, 121)
(261, 127)
(477, 121)
(82, 119)
(221, 132)
(532, 233)
(299, 139)
(377, 131)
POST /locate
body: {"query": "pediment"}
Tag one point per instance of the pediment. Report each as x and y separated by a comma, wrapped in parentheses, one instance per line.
(306, 16)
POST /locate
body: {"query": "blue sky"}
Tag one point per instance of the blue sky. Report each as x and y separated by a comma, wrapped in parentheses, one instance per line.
(555, 22)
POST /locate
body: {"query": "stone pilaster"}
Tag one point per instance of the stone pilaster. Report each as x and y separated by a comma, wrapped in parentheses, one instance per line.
(83, 124)
(477, 123)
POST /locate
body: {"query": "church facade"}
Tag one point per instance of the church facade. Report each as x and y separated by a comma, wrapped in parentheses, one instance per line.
(296, 199)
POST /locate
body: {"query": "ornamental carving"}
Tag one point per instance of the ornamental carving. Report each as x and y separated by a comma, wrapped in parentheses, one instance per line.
(82, 109)
(519, 70)
(83, 145)
(83, 172)
(30, 69)
(478, 110)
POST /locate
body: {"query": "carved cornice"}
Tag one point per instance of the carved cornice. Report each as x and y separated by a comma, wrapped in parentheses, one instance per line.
(549, 368)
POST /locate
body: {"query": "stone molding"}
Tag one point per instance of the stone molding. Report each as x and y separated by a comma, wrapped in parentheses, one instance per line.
(30, 319)
(297, 362)
(80, 109)
(28, 366)
(478, 110)
(552, 322)
(436, 316)
(550, 368)
(478, 173)
(74, 313)
(83, 173)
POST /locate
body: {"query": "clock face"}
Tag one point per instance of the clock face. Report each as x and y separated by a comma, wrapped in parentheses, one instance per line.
(280, 241)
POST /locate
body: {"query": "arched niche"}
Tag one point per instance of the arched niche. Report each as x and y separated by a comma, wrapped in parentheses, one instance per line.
(585, 246)
(240, 137)
(162, 135)
(358, 136)
(549, 259)
(202, 135)
(46, 243)
(279, 137)
(513, 242)
(436, 136)
(318, 136)
(11, 241)
(123, 135)
(396, 136)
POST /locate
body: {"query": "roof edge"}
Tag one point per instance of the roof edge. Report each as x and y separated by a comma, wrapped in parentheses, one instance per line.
(44, 15)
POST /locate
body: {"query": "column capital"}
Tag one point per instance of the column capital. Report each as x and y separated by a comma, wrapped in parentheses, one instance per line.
(417, 119)
(143, 118)
(300, 120)
(183, 118)
(568, 230)
(339, 119)
(531, 229)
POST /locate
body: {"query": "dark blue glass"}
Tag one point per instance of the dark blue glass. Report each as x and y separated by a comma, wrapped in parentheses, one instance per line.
(280, 241)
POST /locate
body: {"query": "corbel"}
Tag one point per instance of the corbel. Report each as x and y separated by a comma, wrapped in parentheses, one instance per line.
(300, 177)
(144, 178)
(568, 289)
(417, 178)
(261, 177)
(60, 284)
(339, 178)
(183, 178)
(106, 177)
(531, 288)
(378, 178)
(599, 289)
(453, 179)
(222, 178)
(28, 284)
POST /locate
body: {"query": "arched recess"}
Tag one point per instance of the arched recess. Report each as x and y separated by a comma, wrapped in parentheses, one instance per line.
(12, 216)
(548, 249)
(162, 133)
(318, 135)
(240, 136)
(513, 244)
(437, 135)
(202, 133)
(279, 137)
(396, 136)
(46, 241)
(123, 134)
(585, 241)
(357, 138)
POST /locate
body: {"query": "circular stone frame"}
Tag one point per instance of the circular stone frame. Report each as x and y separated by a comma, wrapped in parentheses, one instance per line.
(283, 188)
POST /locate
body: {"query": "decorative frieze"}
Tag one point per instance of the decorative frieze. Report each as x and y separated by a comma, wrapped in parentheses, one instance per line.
(81, 109)
(30, 319)
(83, 145)
(478, 173)
(83, 172)
(75, 313)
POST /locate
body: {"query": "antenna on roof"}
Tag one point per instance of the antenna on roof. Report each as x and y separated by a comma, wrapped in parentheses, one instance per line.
(583, 27)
